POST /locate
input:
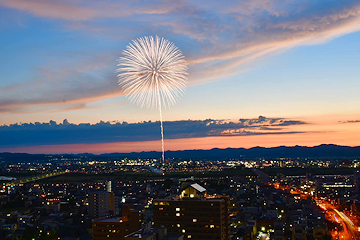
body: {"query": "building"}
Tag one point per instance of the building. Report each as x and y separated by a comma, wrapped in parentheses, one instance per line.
(145, 233)
(98, 204)
(103, 204)
(319, 232)
(299, 232)
(116, 228)
(278, 231)
(52, 204)
(194, 214)
(148, 233)
(109, 186)
(113, 204)
(357, 181)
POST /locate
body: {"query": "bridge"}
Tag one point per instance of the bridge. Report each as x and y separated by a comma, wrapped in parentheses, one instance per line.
(33, 178)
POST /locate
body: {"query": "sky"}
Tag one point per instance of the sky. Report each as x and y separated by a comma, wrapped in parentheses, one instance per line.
(261, 73)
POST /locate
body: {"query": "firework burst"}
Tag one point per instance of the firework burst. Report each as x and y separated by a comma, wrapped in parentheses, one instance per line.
(153, 74)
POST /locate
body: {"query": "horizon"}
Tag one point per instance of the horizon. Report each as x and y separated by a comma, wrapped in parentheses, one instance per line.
(154, 151)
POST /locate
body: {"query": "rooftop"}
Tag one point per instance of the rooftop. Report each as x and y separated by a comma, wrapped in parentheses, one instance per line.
(176, 199)
(197, 187)
(140, 234)
(113, 219)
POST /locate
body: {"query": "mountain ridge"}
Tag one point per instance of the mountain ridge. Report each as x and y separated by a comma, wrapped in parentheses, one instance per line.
(319, 151)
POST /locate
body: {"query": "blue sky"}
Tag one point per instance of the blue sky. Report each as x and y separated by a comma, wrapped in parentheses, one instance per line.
(295, 60)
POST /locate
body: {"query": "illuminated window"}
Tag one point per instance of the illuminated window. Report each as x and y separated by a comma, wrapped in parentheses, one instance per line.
(161, 209)
(177, 209)
(178, 214)
(189, 236)
(194, 220)
(212, 226)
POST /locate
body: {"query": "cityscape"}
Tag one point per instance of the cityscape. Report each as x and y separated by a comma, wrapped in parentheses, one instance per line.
(83, 197)
(179, 120)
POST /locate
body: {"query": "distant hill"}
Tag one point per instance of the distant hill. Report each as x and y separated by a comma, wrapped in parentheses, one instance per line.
(321, 151)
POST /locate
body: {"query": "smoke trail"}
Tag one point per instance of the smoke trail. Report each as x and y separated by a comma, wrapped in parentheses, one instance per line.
(162, 136)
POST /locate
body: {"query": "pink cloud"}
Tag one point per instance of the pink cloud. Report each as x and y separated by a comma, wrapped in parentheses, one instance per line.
(77, 10)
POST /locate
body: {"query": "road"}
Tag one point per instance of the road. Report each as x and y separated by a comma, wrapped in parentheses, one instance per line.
(350, 229)
(350, 224)
(263, 176)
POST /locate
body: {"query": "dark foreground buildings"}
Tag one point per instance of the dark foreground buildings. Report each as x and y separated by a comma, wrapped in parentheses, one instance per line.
(116, 227)
(194, 214)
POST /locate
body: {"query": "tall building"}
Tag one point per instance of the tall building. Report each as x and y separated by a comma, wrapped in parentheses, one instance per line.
(108, 186)
(102, 204)
(98, 204)
(116, 227)
(113, 204)
(194, 214)
(357, 181)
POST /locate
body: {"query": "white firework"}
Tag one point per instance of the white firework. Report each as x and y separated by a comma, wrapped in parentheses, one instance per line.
(153, 73)
(151, 69)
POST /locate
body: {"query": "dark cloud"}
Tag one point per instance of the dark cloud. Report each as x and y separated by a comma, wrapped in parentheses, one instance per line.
(32, 134)
(350, 121)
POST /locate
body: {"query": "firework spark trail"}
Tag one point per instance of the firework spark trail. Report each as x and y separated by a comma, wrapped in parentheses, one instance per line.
(162, 131)
(153, 73)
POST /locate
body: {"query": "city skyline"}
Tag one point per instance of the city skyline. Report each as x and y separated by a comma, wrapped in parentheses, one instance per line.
(295, 62)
